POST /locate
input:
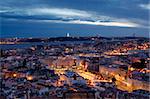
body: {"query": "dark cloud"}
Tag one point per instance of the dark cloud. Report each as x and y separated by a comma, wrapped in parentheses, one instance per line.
(131, 14)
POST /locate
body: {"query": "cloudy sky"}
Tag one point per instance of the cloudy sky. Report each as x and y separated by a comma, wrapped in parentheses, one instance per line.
(48, 18)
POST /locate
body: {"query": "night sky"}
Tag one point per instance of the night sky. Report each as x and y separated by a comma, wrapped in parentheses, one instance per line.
(53, 18)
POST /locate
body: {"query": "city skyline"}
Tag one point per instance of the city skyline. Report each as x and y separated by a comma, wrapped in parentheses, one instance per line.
(37, 18)
(75, 49)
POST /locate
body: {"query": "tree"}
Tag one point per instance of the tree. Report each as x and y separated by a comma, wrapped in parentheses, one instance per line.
(139, 65)
(143, 65)
(113, 79)
(74, 76)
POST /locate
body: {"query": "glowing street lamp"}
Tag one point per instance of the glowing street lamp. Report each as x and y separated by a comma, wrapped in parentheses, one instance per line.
(131, 68)
(29, 77)
(14, 75)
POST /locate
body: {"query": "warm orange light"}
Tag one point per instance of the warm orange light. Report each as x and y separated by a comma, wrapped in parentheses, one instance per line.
(29, 77)
(14, 75)
(131, 69)
(122, 78)
(128, 85)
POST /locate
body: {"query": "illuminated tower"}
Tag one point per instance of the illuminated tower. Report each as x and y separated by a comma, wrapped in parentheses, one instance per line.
(68, 35)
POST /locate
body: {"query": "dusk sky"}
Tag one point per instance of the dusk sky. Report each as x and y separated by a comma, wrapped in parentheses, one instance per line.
(52, 18)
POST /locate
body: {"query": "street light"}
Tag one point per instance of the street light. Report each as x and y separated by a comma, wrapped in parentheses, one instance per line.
(14, 75)
(29, 77)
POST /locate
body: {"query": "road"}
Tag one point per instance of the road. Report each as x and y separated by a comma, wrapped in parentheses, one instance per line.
(121, 84)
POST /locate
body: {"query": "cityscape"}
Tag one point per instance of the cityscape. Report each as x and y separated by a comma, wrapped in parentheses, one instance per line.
(74, 49)
(75, 68)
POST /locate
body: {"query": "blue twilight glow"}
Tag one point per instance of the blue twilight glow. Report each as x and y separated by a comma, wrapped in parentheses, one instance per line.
(47, 18)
